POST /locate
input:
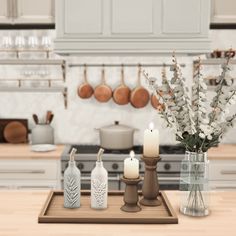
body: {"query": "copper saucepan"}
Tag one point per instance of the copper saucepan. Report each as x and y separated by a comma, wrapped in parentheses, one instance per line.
(85, 90)
(121, 95)
(154, 97)
(103, 92)
(139, 96)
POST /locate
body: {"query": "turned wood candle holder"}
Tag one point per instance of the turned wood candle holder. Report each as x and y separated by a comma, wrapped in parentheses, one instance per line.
(150, 189)
(131, 195)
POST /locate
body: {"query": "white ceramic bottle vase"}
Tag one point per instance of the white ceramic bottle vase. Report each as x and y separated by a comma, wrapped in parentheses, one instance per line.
(99, 184)
(72, 183)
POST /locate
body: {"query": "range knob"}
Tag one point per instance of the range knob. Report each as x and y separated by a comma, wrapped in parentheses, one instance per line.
(115, 166)
(80, 166)
(167, 166)
(184, 166)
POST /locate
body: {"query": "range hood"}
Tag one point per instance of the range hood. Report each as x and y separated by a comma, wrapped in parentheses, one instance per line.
(132, 26)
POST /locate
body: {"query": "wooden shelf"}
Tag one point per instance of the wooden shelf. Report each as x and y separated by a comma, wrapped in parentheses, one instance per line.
(30, 50)
(215, 61)
(32, 62)
(62, 90)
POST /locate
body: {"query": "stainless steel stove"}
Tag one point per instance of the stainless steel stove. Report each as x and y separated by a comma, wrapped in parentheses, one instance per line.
(168, 168)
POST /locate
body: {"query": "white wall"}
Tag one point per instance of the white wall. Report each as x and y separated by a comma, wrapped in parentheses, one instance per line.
(77, 123)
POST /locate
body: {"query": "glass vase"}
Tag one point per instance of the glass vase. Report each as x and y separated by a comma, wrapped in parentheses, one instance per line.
(194, 184)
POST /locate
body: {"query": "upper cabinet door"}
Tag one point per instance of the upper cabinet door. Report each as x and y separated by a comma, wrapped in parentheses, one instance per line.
(83, 17)
(134, 17)
(185, 18)
(223, 11)
(5, 11)
(33, 11)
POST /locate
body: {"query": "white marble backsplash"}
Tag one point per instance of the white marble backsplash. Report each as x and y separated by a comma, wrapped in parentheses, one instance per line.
(77, 123)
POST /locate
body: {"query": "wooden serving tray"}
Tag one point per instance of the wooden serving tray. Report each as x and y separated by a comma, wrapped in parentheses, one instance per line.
(54, 212)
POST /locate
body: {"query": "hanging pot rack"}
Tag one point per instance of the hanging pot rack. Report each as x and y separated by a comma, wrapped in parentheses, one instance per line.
(123, 65)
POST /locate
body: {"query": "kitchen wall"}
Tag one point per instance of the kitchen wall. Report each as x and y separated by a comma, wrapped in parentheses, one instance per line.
(76, 124)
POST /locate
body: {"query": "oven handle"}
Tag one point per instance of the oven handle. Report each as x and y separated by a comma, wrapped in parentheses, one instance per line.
(87, 178)
(169, 178)
(22, 171)
(115, 178)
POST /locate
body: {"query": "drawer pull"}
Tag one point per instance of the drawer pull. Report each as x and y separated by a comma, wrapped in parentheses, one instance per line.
(22, 171)
(228, 172)
(225, 187)
(34, 187)
(4, 187)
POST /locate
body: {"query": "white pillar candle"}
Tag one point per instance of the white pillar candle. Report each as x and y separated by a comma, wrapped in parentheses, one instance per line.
(131, 167)
(151, 142)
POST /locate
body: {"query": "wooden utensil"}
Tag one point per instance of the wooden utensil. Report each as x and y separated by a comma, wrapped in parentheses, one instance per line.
(121, 95)
(85, 90)
(50, 119)
(36, 119)
(103, 92)
(15, 132)
(139, 96)
(48, 115)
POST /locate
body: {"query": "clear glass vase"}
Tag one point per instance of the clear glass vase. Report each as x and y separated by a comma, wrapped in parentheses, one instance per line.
(194, 184)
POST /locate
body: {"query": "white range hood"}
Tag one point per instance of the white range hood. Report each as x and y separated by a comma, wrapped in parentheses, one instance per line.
(132, 26)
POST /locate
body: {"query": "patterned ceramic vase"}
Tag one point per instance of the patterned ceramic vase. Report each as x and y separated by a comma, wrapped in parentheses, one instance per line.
(99, 185)
(72, 186)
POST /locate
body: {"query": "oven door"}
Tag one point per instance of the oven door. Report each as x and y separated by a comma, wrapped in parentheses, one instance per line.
(166, 182)
(169, 182)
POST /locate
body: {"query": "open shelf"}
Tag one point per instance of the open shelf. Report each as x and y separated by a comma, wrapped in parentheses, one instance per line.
(62, 90)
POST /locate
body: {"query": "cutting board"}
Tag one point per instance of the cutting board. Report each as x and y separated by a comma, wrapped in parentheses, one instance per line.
(20, 136)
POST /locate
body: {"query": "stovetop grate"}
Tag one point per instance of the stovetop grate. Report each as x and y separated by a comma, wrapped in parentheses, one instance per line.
(138, 149)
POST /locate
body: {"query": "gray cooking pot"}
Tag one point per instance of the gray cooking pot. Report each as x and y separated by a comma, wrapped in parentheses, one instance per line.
(116, 137)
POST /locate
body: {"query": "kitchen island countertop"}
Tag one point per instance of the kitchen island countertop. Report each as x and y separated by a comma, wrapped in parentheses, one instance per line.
(20, 209)
(19, 151)
(22, 151)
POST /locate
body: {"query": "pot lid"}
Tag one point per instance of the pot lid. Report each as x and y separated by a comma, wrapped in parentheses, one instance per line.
(117, 127)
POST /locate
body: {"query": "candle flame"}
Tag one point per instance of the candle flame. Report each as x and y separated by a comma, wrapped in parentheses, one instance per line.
(151, 125)
(132, 154)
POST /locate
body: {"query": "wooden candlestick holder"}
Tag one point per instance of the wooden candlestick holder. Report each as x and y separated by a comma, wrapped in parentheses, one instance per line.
(150, 189)
(131, 195)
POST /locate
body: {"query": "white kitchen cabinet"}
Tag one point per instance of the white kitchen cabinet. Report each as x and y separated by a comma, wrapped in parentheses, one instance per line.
(30, 174)
(34, 11)
(222, 174)
(223, 11)
(27, 11)
(5, 11)
(132, 26)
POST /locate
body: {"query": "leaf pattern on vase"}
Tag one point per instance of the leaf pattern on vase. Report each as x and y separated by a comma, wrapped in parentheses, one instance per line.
(71, 192)
(99, 190)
